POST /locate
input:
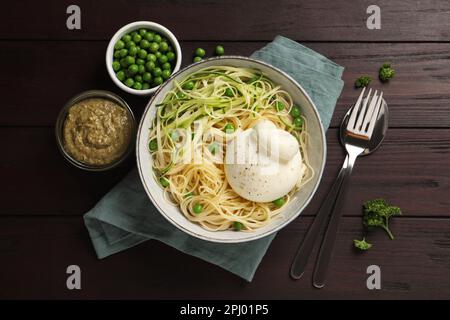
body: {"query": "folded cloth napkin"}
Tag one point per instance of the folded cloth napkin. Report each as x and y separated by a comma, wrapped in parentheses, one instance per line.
(125, 216)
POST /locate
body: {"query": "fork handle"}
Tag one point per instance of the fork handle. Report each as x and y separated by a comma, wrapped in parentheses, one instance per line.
(304, 251)
(329, 240)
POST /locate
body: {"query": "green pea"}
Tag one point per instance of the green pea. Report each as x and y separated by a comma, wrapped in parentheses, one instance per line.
(220, 51)
(141, 69)
(157, 72)
(137, 85)
(295, 111)
(149, 36)
(229, 128)
(165, 74)
(144, 44)
(116, 54)
(140, 61)
(130, 44)
(200, 52)
(151, 57)
(157, 81)
(163, 59)
(145, 86)
(237, 226)
(153, 47)
(116, 65)
(150, 65)
(133, 69)
(130, 60)
(163, 46)
(188, 85)
(279, 106)
(119, 45)
(164, 182)
(158, 54)
(123, 62)
(229, 92)
(132, 51)
(134, 33)
(170, 56)
(181, 95)
(157, 38)
(138, 78)
(142, 54)
(142, 32)
(123, 53)
(166, 66)
(198, 208)
(298, 122)
(197, 59)
(137, 38)
(126, 38)
(147, 76)
(121, 75)
(279, 202)
(129, 82)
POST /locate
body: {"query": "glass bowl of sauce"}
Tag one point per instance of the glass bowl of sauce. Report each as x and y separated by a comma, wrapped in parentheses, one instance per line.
(95, 130)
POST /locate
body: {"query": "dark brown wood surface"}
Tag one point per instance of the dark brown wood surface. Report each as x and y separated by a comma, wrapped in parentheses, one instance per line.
(43, 198)
(250, 20)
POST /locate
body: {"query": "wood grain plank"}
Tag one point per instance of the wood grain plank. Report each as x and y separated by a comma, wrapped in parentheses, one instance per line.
(410, 170)
(326, 20)
(46, 74)
(35, 253)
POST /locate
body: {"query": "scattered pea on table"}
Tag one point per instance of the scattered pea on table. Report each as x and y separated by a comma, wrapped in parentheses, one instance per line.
(220, 51)
(200, 52)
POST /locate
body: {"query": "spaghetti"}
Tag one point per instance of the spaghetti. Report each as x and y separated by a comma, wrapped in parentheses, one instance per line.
(186, 142)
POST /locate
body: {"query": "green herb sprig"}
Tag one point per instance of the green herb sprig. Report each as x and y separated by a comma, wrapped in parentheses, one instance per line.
(376, 214)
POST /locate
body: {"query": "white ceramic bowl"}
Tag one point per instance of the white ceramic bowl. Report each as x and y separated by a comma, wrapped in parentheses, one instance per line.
(132, 27)
(316, 151)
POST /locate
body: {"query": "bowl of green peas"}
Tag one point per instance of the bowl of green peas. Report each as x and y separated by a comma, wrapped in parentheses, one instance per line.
(141, 56)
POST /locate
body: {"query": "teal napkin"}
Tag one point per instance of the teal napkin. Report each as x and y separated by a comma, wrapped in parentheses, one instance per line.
(125, 217)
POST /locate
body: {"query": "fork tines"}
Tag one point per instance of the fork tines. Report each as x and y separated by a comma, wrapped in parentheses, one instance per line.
(362, 118)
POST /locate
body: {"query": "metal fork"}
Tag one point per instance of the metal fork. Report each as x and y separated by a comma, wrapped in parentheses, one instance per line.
(356, 138)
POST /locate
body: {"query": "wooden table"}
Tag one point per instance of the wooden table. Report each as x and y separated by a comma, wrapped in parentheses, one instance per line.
(43, 198)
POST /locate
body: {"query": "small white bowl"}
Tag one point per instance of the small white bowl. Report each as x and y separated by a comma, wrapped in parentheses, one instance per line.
(132, 27)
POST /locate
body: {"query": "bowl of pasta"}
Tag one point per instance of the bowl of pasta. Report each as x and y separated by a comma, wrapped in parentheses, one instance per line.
(230, 149)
